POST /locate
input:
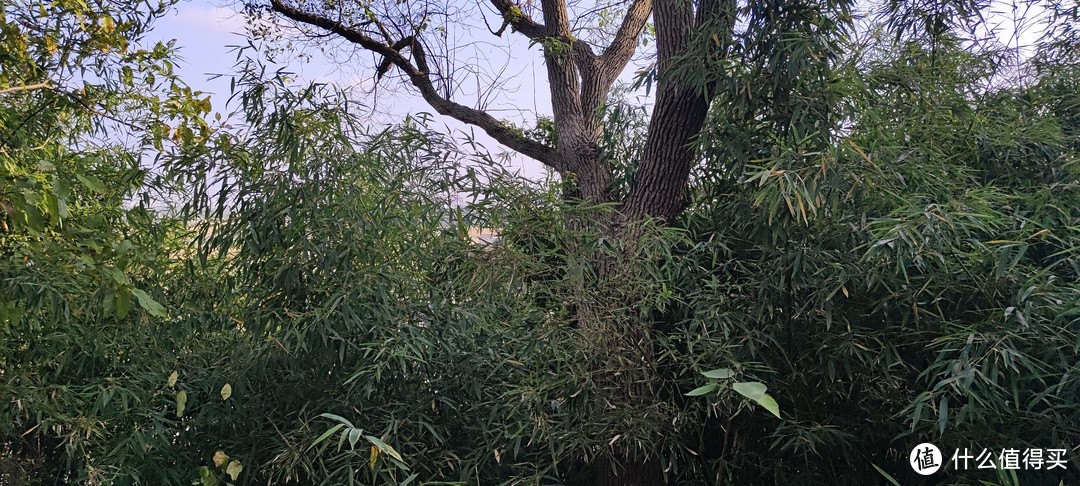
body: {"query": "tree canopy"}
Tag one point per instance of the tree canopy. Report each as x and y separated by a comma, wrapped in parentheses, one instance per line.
(834, 232)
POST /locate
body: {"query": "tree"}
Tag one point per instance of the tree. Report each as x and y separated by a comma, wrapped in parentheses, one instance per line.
(84, 108)
(751, 69)
(879, 249)
(703, 51)
(698, 46)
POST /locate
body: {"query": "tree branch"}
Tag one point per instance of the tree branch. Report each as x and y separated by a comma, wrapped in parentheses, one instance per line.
(679, 112)
(519, 21)
(620, 50)
(418, 75)
(556, 17)
(29, 87)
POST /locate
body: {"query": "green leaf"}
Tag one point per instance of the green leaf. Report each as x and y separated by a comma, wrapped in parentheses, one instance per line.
(148, 303)
(383, 446)
(234, 468)
(34, 220)
(54, 210)
(123, 303)
(181, 403)
(207, 477)
(888, 477)
(701, 390)
(354, 436)
(172, 379)
(719, 374)
(338, 418)
(750, 389)
(768, 403)
(756, 392)
(117, 275)
(326, 434)
(92, 182)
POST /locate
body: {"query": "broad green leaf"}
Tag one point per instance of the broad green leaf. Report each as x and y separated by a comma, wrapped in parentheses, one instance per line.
(383, 446)
(701, 390)
(756, 392)
(123, 303)
(207, 477)
(92, 182)
(181, 403)
(148, 303)
(34, 220)
(226, 391)
(172, 379)
(354, 436)
(750, 389)
(768, 403)
(117, 275)
(52, 208)
(719, 374)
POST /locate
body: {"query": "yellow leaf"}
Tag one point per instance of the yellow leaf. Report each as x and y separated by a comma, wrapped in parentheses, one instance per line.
(234, 469)
(181, 403)
(374, 457)
(172, 378)
(220, 458)
(226, 391)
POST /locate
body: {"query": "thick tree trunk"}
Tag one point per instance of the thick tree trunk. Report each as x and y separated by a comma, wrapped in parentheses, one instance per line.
(624, 404)
(625, 374)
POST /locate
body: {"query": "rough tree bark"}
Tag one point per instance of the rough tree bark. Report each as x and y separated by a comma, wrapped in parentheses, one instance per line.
(580, 80)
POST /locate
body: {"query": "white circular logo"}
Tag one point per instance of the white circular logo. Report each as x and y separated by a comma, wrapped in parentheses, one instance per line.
(925, 459)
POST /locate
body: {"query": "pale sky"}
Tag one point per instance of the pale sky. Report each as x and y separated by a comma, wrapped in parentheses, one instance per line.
(203, 32)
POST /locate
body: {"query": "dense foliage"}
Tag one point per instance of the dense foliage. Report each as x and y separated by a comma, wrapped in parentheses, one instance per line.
(293, 298)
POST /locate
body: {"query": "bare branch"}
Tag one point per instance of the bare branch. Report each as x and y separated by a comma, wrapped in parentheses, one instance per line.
(29, 87)
(418, 75)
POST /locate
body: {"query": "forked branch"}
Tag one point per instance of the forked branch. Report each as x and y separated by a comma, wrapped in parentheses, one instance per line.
(419, 76)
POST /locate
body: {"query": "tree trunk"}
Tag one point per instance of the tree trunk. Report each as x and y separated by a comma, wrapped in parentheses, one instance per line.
(619, 340)
(623, 405)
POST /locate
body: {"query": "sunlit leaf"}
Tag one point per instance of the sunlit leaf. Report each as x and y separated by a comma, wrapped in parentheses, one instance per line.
(181, 403)
(233, 469)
